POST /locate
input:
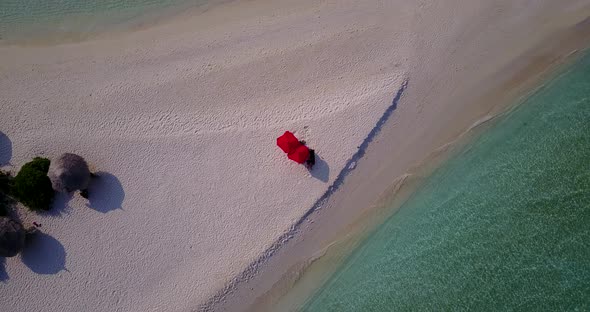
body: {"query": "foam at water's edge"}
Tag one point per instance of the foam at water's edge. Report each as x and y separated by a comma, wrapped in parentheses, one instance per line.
(403, 186)
(419, 254)
(535, 75)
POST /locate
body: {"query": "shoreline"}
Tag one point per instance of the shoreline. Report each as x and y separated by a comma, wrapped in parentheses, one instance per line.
(518, 80)
(139, 19)
(337, 253)
(411, 259)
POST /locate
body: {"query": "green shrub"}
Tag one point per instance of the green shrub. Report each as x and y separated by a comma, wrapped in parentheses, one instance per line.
(38, 163)
(32, 186)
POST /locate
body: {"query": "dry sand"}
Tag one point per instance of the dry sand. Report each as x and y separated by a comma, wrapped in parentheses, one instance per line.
(180, 119)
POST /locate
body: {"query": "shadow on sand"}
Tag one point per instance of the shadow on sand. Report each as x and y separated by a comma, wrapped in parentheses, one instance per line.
(60, 205)
(321, 170)
(3, 275)
(255, 265)
(44, 254)
(5, 149)
(105, 193)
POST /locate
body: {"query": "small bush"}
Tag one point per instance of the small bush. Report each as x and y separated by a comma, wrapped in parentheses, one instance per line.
(32, 186)
(38, 163)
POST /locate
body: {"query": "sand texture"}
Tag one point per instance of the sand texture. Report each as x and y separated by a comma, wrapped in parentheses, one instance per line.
(180, 120)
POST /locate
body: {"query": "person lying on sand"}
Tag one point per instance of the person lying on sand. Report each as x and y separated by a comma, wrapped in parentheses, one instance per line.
(311, 158)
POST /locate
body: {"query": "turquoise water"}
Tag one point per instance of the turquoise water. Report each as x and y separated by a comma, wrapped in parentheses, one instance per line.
(504, 225)
(24, 19)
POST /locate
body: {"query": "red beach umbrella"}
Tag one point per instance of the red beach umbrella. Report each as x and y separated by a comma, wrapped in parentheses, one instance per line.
(288, 142)
(300, 155)
(294, 149)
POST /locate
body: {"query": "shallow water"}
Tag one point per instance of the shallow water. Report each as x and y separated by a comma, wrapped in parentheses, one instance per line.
(42, 19)
(502, 226)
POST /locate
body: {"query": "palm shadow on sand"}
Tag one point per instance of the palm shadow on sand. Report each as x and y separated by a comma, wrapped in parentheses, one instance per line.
(44, 254)
(5, 149)
(321, 170)
(105, 193)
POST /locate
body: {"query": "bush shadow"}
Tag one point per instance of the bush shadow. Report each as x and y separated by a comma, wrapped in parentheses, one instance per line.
(5, 149)
(105, 193)
(3, 275)
(60, 205)
(320, 170)
(44, 254)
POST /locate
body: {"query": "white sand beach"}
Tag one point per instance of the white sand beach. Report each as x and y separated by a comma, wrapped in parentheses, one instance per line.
(180, 119)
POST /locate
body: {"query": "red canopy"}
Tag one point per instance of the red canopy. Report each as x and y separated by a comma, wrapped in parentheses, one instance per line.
(300, 155)
(288, 142)
(291, 145)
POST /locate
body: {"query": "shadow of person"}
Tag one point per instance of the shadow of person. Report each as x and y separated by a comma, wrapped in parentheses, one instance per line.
(105, 193)
(5, 149)
(321, 170)
(3, 274)
(44, 254)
